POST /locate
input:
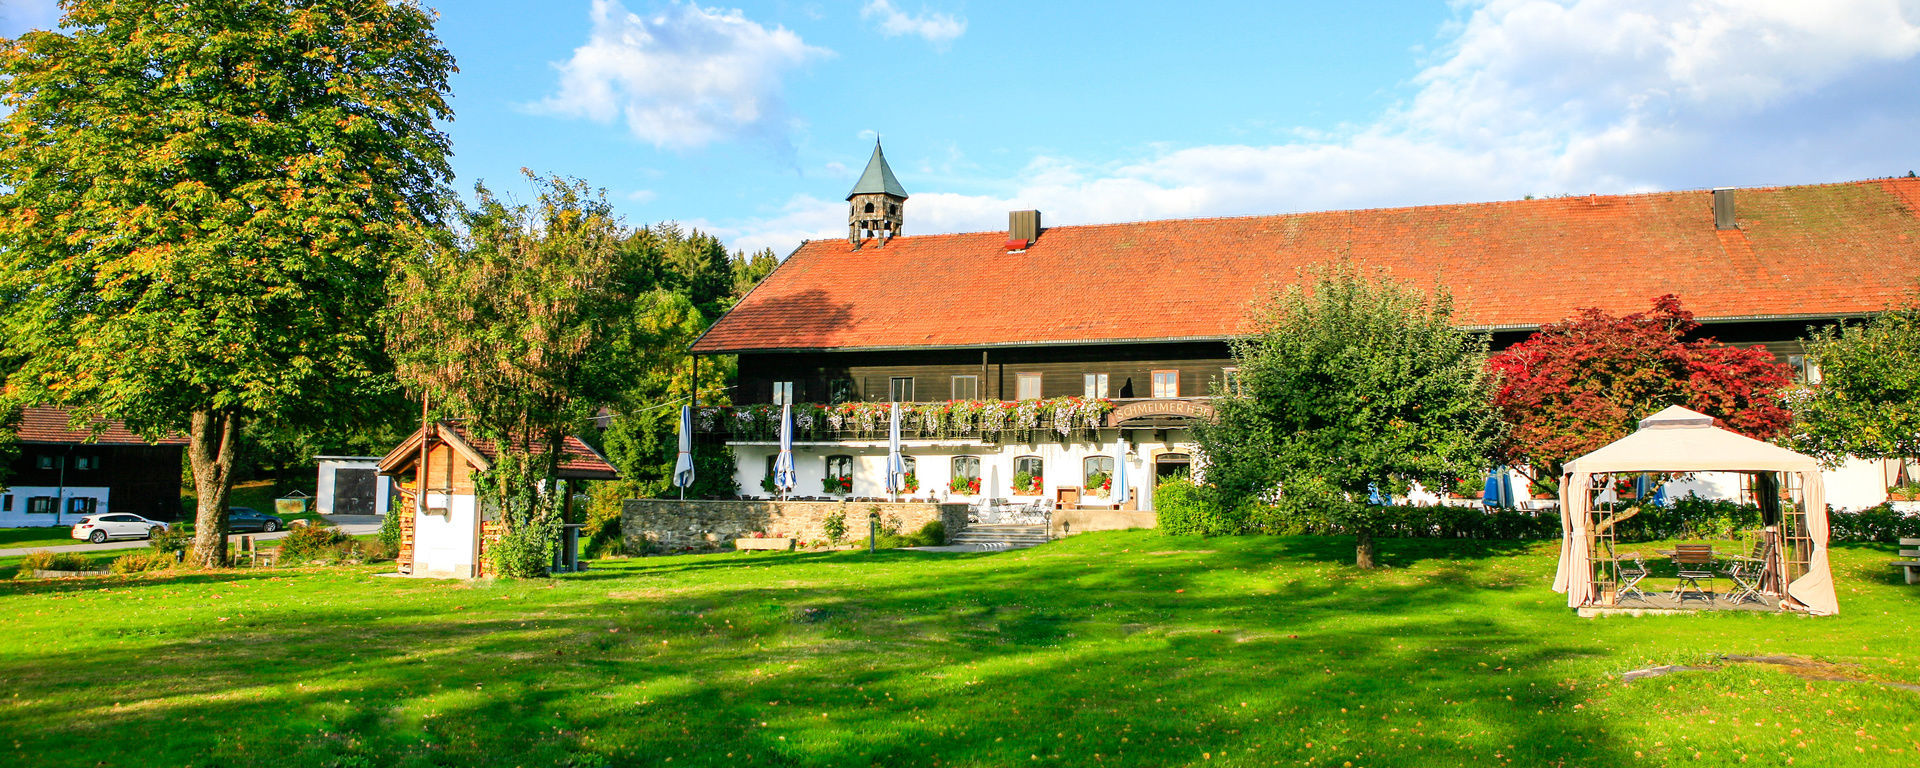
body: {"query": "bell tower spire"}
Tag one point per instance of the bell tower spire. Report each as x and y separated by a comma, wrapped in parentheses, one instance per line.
(875, 206)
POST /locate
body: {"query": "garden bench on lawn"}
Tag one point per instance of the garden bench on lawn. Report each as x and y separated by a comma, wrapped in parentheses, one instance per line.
(1910, 566)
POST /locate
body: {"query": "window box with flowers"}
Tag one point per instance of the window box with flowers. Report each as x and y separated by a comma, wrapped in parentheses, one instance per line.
(1027, 485)
(837, 484)
(1904, 492)
(910, 482)
(1100, 482)
(964, 486)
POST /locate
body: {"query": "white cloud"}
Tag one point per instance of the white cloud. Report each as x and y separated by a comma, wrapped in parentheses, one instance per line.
(19, 16)
(1527, 97)
(937, 28)
(684, 77)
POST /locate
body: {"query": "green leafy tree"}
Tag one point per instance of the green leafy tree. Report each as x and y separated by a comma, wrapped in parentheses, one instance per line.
(748, 271)
(696, 266)
(511, 325)
(1867, 401)
(198, 202)
(1351, 384)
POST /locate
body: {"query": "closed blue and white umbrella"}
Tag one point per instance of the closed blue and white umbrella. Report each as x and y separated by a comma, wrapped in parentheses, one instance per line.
(1119, 493)
(783, 475)
(896, 462)
(1499, 490)
(1649, 489)
(683, 464)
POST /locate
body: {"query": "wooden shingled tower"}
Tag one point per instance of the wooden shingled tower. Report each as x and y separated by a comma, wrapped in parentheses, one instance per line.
(877, 203)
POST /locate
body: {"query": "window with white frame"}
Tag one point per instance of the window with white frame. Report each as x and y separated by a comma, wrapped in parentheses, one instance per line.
(1098, 474)
(41, 505)
(1096, 385)
(783, 393)
(1166, 383)
(966, 388)
(1027, 386)
(900, 389)
(1229, 381)
(1028, 474)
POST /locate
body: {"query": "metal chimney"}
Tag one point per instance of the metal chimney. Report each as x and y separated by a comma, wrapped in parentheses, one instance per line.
(1023, 227)
(1723, 209)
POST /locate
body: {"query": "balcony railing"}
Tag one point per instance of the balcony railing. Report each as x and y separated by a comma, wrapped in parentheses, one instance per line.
(1058, 418)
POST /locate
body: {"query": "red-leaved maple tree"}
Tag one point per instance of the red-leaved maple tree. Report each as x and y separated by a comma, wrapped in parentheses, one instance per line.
(1582, 383)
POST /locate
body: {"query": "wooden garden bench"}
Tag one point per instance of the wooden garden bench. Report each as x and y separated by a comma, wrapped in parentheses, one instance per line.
(1910, 566)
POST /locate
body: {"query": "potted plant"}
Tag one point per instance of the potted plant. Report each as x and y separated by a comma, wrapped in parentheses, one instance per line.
(1467, 489)
(964, 486)
(1100, 481)
(1025, 484)
(837, 484)
(911, 482)
(1904, 492)
(766, 484)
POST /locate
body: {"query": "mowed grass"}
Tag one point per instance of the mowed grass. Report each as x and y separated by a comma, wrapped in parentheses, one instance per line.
(1126, 648)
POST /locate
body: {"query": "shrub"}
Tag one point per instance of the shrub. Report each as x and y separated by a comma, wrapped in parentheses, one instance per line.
(173, 541)
(1876, 524)
(526, 550)
(52, 561)
(311, 542)
(390, 528)
(141, 562)
(933, 534)
(1186, 509)
(835, 526)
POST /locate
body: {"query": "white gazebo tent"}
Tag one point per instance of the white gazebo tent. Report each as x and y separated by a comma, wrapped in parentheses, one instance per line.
(1680, 440)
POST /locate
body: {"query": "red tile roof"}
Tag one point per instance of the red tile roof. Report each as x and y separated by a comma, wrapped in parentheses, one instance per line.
(40, 424)
(1822, 250)
(577, 459)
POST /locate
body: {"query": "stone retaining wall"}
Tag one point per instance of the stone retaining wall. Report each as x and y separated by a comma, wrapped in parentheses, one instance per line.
(1067, 522)
(669, 525)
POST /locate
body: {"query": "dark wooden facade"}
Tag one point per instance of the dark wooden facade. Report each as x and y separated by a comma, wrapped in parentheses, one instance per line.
(827, 377)
(140, 479)
(832, 377)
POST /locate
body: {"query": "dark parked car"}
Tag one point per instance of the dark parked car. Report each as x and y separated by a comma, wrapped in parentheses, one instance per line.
(250, 519)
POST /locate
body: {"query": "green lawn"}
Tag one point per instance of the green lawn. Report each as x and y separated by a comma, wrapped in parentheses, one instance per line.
(1120, 648)
(11, 538)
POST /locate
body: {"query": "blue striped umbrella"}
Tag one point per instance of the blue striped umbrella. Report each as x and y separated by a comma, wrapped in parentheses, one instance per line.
(683, 464)
(783, 474)
(1499, 490)
(896, 462)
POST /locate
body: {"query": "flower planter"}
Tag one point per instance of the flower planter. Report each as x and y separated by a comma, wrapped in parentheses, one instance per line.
(763, 544)
(67, 574)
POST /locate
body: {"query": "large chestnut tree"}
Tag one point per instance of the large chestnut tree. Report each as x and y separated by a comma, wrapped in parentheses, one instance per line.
(199, 200)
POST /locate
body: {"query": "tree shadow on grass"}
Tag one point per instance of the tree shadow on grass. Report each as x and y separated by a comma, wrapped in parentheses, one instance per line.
(1237, 652)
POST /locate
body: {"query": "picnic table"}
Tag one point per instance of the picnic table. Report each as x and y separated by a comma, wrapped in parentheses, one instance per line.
(1911, 566)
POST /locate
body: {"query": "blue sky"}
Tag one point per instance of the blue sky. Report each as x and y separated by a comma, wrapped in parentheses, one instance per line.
(751, 120)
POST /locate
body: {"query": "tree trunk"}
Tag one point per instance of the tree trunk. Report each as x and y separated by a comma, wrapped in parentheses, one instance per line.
(211, 450)
(1363, 550)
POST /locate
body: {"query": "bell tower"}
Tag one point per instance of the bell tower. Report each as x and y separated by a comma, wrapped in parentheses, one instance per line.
(875, 206)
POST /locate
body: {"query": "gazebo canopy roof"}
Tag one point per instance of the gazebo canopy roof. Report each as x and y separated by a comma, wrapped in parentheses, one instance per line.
(1680, 440)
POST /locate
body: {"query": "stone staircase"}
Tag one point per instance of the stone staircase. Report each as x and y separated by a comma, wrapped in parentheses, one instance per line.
(1001, 536)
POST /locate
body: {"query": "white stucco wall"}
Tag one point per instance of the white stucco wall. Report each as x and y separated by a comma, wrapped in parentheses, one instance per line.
(1062, 464)
(445, 543)
(18, 517)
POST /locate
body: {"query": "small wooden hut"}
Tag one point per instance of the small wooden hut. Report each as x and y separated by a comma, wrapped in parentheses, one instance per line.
(445, 532)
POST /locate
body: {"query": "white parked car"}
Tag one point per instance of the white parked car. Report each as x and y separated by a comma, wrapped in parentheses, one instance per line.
(99, 528)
